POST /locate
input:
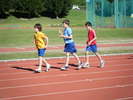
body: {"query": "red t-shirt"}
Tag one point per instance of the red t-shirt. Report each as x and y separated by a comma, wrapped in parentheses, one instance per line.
(91, 35)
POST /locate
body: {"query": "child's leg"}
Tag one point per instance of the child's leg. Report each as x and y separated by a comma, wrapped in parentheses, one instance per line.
(44, 61)
(87, 57)
(40, 64)
(67, 58)
(86, 64)
(47, 65)
(100, 59)
(67, 61)
(77, 58)
(98, 56)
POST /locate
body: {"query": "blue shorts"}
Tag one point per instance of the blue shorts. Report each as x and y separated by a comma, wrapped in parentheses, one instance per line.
(70, 47)
(41, 52)
(91, 48)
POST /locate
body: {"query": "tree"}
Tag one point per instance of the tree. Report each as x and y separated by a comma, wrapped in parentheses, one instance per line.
(28, 8)
(35, 8)
(4, 8)
(57, 8)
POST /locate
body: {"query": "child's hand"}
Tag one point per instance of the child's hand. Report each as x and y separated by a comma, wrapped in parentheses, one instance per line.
(60, 32)
(46, 47)
(88, 43)
(61, 36)
(33, 42)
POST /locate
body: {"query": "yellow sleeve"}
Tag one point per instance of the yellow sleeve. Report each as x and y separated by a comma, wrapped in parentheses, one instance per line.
(43, 35)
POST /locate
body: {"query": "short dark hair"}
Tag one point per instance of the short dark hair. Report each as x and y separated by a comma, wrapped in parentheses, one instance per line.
(88, 24)
(38, 26)
(66, 21)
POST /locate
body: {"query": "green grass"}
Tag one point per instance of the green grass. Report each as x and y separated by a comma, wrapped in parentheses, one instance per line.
(77, 18)
(115, 34)
(23, 37)
(28, 55)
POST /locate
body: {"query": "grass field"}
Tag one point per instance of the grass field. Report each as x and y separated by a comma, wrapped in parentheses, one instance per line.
(77, 19)
(19, 33)
(23, 37)
(29, 55)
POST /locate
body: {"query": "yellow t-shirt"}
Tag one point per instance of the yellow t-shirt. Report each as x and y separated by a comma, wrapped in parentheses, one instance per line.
(40, 40)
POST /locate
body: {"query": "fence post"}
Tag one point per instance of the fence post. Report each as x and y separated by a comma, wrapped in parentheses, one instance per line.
(90, 11)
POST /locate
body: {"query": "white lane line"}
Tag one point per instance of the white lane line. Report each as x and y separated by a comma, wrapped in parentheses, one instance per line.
(16, 73)
(25, 63)
(114, 54)
(127, 98)
(70, 91)
(29, 63)
(64, 75)
(68, 82)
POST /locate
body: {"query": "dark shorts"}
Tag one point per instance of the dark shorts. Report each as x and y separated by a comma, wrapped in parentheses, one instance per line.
(91, 48)
(41, 52)
(70, 47)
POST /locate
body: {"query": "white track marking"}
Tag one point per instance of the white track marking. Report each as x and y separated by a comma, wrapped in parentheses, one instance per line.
(64, 75)
(16, 73)
(127, 98)
(69, 82)
(71, 91)
(114, 54)
(25, 63)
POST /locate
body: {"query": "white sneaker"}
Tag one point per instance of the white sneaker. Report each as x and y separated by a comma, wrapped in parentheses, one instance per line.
(38, 70)
(80, 66)
(64, 68)
(102, 64)
(83, 65)
(48, 67)
(86, 65)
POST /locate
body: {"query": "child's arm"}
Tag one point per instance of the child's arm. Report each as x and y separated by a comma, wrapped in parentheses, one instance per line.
(33, 40)
(66, 37)
(46, 40)
(89, 43)
(63, 36)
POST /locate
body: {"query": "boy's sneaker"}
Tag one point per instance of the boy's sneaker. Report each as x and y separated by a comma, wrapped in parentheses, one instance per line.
(38, 70)
(48, 67)
(102, 64)
(64, 68)
(86, 65)
(80, 66)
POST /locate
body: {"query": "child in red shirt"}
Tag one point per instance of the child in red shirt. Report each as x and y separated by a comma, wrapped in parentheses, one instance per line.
(91, 46)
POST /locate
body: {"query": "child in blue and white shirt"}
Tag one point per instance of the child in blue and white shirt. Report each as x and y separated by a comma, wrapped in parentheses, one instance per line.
(69, 47)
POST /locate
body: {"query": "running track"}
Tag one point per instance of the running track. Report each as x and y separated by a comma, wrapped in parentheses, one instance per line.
(114, 82)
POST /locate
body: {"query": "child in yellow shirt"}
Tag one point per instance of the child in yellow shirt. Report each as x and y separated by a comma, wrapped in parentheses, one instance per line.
(41, 42)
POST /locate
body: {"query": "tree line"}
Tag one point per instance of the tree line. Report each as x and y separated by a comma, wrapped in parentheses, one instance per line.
(36, 8)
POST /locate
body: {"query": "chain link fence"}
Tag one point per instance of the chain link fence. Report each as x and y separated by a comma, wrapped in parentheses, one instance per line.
(105, 13)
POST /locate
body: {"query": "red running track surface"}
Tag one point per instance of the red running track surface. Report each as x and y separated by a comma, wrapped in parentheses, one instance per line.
(114, 82)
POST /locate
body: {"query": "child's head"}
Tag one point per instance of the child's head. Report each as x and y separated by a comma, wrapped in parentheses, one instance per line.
(88, 24)
(38, 27)
(66, 23)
